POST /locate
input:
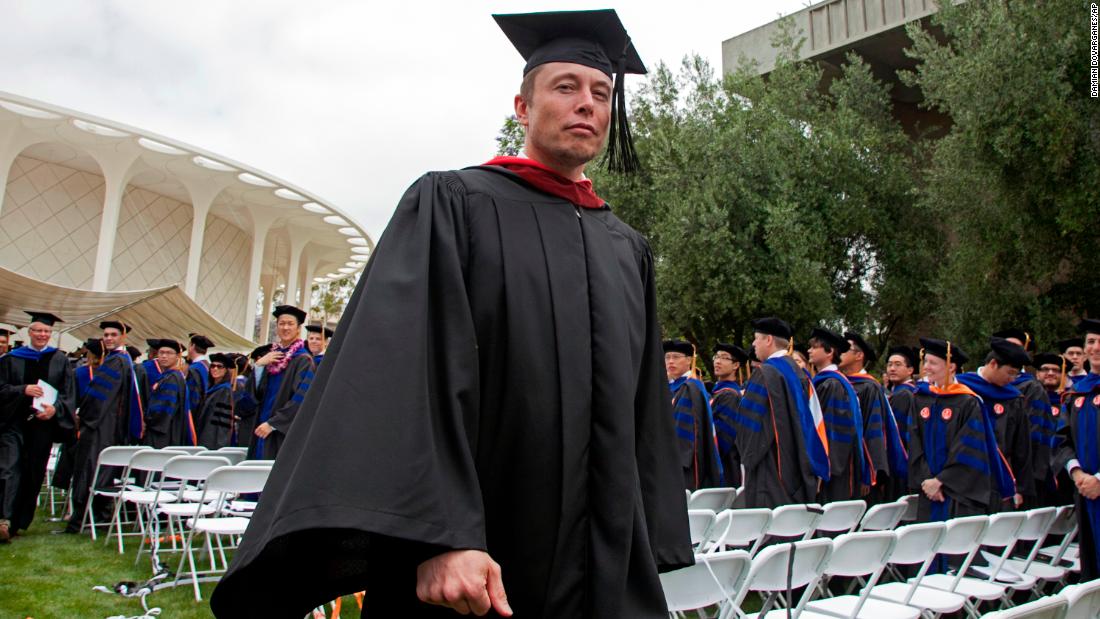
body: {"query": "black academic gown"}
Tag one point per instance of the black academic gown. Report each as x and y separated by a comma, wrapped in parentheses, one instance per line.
(844, 483)
(723, 405)
(497, 384)
(695, 435)
(947, 441)
(1014, 438)
(279, 404)
(769, 439)
(168, 419)
(36, 437)
(198, 382)
(1041, 426)
(871, 400)
(224, 411)
(1079, 439)
(902, 404)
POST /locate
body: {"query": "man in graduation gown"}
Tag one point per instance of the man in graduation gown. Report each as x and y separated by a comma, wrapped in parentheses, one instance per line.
(198, 370)
(110, 413)
(1073, 349)
(1078, 451)
(317, 338)
(27, 433)
(1004, 407)
(168, 420)
(85, 372)
(699, 459)
(1042, 422)
(851, 475)
(147, 372)
(284, 376)
(901, 366)
(492, 415)
(780, 433)
(5, 340)
(729, 359)
(954, 463)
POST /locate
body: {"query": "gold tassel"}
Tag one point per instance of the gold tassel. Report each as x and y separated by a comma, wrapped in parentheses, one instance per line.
(695, 363)
(790, 346)
(1062, 378)
(950, 375)
(1027, 340)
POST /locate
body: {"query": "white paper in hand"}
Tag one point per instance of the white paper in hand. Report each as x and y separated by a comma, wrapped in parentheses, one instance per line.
(49, 396)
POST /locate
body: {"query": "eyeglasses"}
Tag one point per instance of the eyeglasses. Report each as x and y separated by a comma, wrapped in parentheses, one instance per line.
(1050, 370)
(675, 356)
(722, 358)
(217, 366)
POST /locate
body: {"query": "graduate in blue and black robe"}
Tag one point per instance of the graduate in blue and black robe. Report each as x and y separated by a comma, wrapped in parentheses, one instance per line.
(901, 365)
(228, 403)
(198, 369)
(148, 371)
(691, 412)
(1078, 451)
(954, 463)
(168, 420)
(783, 449)
(84, 373)
(317, 338)
(283, 377)
(729, 361)
(850, 470)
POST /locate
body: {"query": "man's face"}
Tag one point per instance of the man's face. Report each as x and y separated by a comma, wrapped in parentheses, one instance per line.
(724, 365)
(1050, 376)
(40, 334)
(676, 364)
(287, 328)
(935, 369)
(898, 369)
(1092, 351)
(112, 338)
(567, 118)
(168, 357)
(1075, 355)
(3, 343)
(763, 345)
(1000, 374)
(818, 357)
(851, 360)
(316, 343)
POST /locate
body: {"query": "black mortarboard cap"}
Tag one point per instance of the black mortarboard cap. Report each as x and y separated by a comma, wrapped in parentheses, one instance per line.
(1064, 345)
(1009, 353)
(115, 324)
(907, 352)
(152, 343)
(679, 346)
(1089, 325)
(1017, 334)
(133, 352)
(938, 348)
(317, 329)
(94, 345)
(1047, 358)
(4, 331)
(772, 326)
(869, 353)
(222, 358)
(735, 351)
(283, 310)
(595, 39)
(259, 351)
(835, 341)
(45, 318)
(239, 361)
(173, 344)
(201, 341)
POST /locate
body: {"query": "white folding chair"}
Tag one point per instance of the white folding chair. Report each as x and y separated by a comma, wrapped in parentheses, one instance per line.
(190, 449)
(173, 503)
(1082, 600)
(964, 537)
(222, 483)
(841, 516)
(910, 514)
(1064, 553)
(714, 499)
(781, 568)
(856, 555)
(234, 457)
(118, 455)
(150, 462)
(1052, 607)
(798, 521)
(264, 464)
(747, 528)
(1035, 530)
(1004, 530)
(699, 522)
(918, 544)
(233, 448)
(882, 517)
(715, 578)
(715, 537)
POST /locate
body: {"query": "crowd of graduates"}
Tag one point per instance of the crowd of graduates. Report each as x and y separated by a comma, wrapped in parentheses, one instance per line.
(810, 424)
(109, 392)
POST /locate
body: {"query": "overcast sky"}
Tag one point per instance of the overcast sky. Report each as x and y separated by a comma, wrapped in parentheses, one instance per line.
(349, 99)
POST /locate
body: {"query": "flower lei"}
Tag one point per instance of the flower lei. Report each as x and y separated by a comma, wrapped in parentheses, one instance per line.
(288, 354)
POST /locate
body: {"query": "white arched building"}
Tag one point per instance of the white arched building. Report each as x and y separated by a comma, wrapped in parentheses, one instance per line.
(95, 205)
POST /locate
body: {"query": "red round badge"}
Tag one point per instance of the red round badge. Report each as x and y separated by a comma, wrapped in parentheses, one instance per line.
(1054, 410)
(999, 408)
(946, 414)
(925, 413)
(1079, 402)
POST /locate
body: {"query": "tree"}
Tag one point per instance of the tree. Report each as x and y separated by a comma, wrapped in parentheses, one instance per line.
(511, 136)
(329, 298)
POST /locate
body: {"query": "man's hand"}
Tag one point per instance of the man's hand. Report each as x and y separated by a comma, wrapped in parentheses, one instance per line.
(269, 358)
(1017, 500)
(463, 580)
(47, 412)
(263, 430)
(33, 391)
(933, 489)
(1087, 485)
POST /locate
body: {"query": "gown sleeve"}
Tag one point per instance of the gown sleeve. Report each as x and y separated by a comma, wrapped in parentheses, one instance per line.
(753, 422)
(301, 378)
(103, 390)
(66, 397)
(967, 472)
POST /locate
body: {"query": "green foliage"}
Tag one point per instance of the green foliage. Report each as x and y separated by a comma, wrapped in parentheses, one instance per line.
(511, 136)
(329, 298)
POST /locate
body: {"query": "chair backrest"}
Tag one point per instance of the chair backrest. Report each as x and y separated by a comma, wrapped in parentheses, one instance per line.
(193, 468)
(1083, 600)
(234, 457)
(1037, 523)
(911, 501)
(236, 479)
(191, 449)
(714, 540)
(747, 526)
(918, 542)
(699, 522)
(714, 578)
(794, 520)
(1003, 528)
(266, 464)
(861, 553)
(714, 499)
(119, 455)
(963, 534)
(1051, 607)
(788, 565)
(232, 448)
(153, 460)
(841, 516)
(1064, 521)
(882, 517)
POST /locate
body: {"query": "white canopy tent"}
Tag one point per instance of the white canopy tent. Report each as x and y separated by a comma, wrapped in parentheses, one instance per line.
(157, 313)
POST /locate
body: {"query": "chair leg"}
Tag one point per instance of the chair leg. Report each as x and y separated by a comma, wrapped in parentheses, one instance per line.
(194, 573)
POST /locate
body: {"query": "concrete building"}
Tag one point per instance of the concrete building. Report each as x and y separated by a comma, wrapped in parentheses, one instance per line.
(95, 205)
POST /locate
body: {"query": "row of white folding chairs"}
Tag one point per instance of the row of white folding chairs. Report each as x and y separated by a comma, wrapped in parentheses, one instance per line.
(1081, 601)
(727, 577)
(921, 544)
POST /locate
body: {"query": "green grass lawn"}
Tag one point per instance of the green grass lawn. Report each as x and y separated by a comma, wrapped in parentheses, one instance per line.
(44, 576)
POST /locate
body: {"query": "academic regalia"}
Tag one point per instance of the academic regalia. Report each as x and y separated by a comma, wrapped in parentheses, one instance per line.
(1004, 408)
(168, 421)
(883, 438)
(25, 441)
(109, 414)
(848, 459)
(695, 438)
(279, 395)
(726, 396)
(902, 405)
(148, 373)
(782, 455)
(496, 383)
(198, 382)
(1041, 426)
(224, 412)
(1079, 440)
